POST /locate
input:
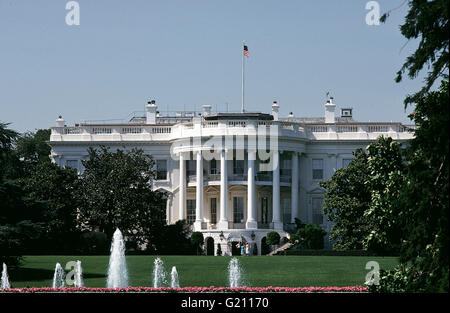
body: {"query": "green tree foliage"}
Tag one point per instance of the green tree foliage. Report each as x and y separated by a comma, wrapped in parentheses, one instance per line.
(33, 147)
(116, 192)
(21, 222)
(424, 197)
(56, 188)
(197, 240)
(174, 240)
(386, 178)
(9, 161)
(426, 21)
(309, 236)
(346, 198)
(273, 238)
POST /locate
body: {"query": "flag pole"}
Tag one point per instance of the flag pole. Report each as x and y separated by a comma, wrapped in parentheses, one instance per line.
(242, 52)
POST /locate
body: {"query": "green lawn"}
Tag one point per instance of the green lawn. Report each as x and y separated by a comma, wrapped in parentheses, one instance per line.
(288, 271)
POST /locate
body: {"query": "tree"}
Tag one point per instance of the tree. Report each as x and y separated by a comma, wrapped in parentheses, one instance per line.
(33, 147)
(386, 177)
(56, 187)
(424, 198)
(273, 238)
(20, 216)
(427, 20)
(309, 236)
(116, 192)
(346, 198)
(197, 240)
(173, 239)
(9, 161)
(21, 223)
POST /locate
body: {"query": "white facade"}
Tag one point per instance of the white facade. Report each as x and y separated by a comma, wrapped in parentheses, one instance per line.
(212, 165)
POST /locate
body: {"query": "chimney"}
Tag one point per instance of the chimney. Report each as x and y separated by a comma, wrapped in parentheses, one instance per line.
(329, 111)
(60, 122)
(206, 109)
(151, 112)
(275, 108)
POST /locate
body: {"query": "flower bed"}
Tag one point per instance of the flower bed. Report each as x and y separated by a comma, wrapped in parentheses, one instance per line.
(211, 289)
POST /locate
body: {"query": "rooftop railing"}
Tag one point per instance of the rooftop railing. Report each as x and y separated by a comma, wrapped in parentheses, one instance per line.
(130, 131)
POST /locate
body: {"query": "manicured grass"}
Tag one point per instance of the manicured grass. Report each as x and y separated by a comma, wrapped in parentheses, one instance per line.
(261, 271)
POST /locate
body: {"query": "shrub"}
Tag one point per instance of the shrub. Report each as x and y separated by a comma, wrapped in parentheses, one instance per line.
(94, 243)
(273, 238)
(309, 236)
(197, 240)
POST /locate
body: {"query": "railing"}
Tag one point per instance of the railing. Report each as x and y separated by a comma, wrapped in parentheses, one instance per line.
(72, 130)
(158, 132)
(237, 123)
(264, 176)
(210, 124)
(347, 129)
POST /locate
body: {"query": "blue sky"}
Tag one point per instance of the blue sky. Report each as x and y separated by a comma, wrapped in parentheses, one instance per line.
(188, 53)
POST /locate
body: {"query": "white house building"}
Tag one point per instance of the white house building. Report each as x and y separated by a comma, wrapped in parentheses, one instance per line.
(234, 176)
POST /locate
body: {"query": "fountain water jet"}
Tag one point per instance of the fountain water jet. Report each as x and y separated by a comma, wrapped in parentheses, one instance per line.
(5, 281)
(234, 273)
(159, 274)
(117, 269)
(78, 282)
(175, 283)
(59, 277)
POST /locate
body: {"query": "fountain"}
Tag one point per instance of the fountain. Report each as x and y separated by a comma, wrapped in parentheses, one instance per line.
(234, 273)
(78, 282)
(117, 270)
(5, 281)
(59, 277)
(159, 274)
(174, 282)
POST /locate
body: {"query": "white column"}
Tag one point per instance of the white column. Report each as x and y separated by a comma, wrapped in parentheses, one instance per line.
(276, 216)
(251, 210)
(223, 222)
(199, 198)
(182, 189)
(294, 188)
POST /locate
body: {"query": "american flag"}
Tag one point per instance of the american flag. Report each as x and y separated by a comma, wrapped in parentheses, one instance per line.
(245, 51)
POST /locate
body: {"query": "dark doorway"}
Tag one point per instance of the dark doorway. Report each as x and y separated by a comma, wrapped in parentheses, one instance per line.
(209, 246)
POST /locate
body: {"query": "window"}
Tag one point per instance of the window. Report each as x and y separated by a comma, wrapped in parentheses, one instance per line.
(317, 168)
(191, 168)
(346, 162)
(286, 210)
(264, 210)
(238, 167)
(72, 164)
(317, 211)
(285, 169)
(214, 168)
(238, 210)
(191, 211)
(213, 210)
(161, 169)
